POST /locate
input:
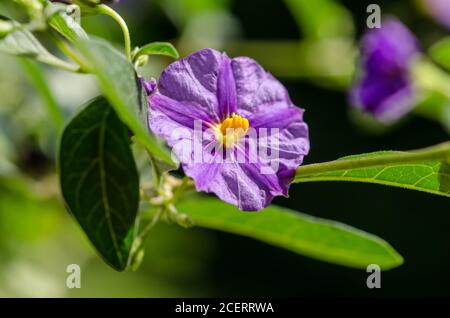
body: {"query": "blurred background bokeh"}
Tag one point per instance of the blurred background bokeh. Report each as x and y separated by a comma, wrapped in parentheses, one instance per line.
(312, 47)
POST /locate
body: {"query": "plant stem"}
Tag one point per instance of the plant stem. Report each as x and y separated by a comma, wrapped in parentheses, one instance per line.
(50, 102)
(441, 151)
(58, 63)
(143, 234)
(126, 33)
(66, 49)
(431, 78)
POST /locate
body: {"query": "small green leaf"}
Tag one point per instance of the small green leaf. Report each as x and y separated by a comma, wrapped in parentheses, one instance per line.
(440, 52)
(22, 42)
(99, 180)
(123, 89)
(432, 176)
(317, 238)
(158, 48)
(66, 25)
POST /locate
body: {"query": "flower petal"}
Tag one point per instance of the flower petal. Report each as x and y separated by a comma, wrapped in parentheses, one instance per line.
(180, 112)
(387, 99)
(256, 89)
(277, 116)
(239, 184)
(193, 80)
(389, 50)
(440, 9)
(385, 88)
(252, 185)
(226, 89)
(397, 105)
(287, 149)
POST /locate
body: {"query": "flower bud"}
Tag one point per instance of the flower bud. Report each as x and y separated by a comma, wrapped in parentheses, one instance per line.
(34, 7)
(142, 60)
(184, 220)
(5, 28)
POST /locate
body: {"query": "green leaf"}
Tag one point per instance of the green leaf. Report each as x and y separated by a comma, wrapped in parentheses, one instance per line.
(66, 25)
(432, 176)
(121, 86)
(317, 238)
(22, 42)
(158, 48)
(37, 77)
(440, 52)
(99, 180)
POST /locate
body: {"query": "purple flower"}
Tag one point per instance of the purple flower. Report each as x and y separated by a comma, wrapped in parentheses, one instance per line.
(149, 87)
(232, 103)
(386, 89)
(440, 10)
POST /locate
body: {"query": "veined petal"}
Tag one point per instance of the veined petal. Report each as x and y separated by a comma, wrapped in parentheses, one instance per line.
(239, 184)
(286, 149)
(226, 89)
(193, 80)
(276, 116)
(183, 113)
(256, 89)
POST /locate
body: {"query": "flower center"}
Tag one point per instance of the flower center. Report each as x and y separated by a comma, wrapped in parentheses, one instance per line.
(232, 129)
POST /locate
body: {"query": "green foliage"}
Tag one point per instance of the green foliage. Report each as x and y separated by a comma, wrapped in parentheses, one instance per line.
(33, 8)
(317, 238)
(52, 107)
(440, 52)
(66, 26)
(122, 87)
(321, 18)
(21, 42)
(24, 214)
(5, 28)
(157, 48)
(432, 176)
(99, 180)
(181, 11)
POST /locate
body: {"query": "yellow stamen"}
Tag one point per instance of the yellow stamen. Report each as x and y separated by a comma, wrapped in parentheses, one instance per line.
(232, 129)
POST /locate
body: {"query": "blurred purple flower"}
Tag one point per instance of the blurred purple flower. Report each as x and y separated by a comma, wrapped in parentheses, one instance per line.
(224, 94)
(385, 89)
(440, 10)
